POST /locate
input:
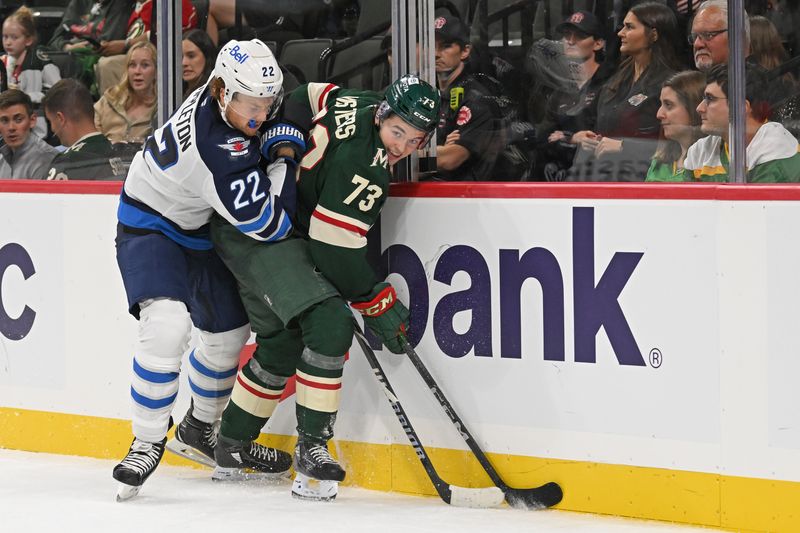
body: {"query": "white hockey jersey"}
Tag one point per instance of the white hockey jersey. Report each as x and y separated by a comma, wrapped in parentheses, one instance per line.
(196, 164)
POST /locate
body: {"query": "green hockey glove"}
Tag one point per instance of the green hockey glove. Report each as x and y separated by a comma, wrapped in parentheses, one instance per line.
(385, 316)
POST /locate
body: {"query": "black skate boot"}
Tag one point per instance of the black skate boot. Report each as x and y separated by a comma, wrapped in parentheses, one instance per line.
(195, 440)
(318, 474)
(142, 459)
(238, 459)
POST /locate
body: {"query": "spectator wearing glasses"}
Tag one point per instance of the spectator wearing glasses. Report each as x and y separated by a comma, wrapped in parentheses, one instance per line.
(709, 35)
(772, 152)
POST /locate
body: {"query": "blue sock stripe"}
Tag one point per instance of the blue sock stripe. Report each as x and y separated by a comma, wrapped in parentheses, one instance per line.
(205, 393)
(153, 377)
(151, 403)
(200, 367)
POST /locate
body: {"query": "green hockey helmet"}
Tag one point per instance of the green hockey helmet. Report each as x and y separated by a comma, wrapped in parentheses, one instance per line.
(413, 100)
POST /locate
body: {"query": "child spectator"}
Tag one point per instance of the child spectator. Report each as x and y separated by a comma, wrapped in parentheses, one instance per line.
(199, 54)
(680, 125)
(23, 156)
(24, 70)
(125, 112)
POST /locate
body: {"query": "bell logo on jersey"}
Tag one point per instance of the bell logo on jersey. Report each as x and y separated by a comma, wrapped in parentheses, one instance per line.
(15, 329)
(240, 57)
(381, 158)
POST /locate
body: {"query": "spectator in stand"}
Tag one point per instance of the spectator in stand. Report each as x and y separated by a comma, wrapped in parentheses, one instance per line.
(87, 21)
(199, 54)
(772, 151)
(680, 125)
(111, 67)
(622, 145)
(767, 51)
(23, 155)
(125, 112)
(25, 71)
(709, 35)
(89, 155)
(278, 20)
(573, 107)
(469, 134)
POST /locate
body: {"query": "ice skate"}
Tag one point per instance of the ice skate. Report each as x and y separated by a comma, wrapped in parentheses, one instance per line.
(238, 460)
(142, 459)
(317, 473)
(195, 440)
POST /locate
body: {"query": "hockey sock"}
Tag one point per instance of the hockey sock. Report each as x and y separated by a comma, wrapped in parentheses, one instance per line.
(164, 330)
(253, 400)
(319, 385)
(212, 370)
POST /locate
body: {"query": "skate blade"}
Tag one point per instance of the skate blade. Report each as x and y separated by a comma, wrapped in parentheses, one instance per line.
(239, 474)
(187, 452)
(126, 492)
(316, 490)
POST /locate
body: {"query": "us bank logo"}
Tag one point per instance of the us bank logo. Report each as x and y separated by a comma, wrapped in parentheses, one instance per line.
(15, 327)
(595, 293)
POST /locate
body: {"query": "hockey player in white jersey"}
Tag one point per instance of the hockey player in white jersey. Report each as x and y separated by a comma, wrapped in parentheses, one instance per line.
(205, 159)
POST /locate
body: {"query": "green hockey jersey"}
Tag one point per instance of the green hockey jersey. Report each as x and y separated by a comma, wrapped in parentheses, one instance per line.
(343, 183)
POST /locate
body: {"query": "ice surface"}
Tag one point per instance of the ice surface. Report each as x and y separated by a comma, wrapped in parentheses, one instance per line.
(41, 492)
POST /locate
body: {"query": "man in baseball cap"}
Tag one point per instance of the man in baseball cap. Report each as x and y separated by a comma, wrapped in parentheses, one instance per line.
(450, 29)
(584, 22)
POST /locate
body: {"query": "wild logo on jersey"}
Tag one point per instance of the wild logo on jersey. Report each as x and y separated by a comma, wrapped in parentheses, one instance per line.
(381, 159)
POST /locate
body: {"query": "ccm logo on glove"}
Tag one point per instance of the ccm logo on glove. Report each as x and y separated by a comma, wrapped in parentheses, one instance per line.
(379, 304)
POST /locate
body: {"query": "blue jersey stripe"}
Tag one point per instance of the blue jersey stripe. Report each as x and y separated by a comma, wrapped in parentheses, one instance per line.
(153, 377)
(205, 393)
(136, 218)
(150, 403)
(201, 368)
(259, 223)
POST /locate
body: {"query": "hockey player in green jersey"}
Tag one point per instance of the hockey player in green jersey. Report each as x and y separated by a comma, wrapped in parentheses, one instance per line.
(296, 291)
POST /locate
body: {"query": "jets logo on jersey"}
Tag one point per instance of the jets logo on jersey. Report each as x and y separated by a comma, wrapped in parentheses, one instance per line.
(236, 146)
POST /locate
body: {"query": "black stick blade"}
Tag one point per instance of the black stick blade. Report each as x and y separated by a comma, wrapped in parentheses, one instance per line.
(542, 497)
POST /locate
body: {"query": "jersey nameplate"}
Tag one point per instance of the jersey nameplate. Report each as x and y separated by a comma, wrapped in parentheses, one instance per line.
(345, 118)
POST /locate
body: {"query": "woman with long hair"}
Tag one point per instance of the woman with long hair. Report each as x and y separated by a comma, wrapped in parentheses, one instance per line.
(680, 125)
(627, 129)
(199, 53)
(125, 112)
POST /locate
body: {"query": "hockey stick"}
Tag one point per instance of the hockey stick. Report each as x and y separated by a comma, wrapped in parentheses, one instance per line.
(541, 497)
(452, 494)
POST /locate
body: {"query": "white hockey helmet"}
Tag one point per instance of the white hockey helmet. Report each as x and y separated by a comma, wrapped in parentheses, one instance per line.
(249, 68)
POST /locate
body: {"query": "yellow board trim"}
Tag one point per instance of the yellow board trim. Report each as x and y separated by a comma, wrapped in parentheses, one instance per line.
(728, 502)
